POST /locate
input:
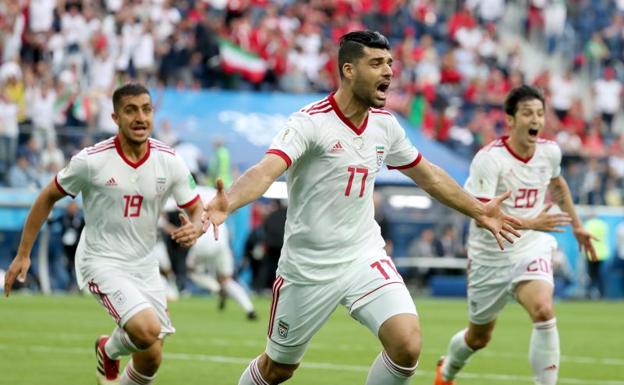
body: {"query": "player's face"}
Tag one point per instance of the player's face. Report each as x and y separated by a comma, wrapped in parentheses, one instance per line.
(134, 118)
(371, 77)
(528, 121)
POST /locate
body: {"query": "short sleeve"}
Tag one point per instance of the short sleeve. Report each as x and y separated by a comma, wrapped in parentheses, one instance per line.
(483, 177)
(294, 139)
(74, 177)
(402, 154)
(184, 186)
(555, 159)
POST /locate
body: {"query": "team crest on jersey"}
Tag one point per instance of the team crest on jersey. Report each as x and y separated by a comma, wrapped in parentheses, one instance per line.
(380, 150)
(161, 184)
(282, 328)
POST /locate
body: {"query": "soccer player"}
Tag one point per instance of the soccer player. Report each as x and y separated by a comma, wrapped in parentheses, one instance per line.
(124, 182)
(215, 256)
(530, 167)
(333, 252)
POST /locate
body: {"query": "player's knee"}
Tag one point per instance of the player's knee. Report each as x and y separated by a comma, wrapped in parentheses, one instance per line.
(542, 312)
(277, 373)
(145, 335)
(407, 351)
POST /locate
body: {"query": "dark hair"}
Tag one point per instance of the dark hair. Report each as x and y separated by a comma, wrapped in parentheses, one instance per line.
(352, 46)
(130, 89)
(521, 94)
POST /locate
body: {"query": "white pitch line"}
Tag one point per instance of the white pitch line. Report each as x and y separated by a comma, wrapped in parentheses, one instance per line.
(309, 365)
(260, 344)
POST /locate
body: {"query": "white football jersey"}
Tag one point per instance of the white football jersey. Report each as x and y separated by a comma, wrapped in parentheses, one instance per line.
(332, 170)
(122, 200)
(497, 169)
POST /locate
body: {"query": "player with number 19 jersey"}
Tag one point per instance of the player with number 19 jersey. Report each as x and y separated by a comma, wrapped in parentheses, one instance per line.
(332, 169)
(497, 169)
(122, 201)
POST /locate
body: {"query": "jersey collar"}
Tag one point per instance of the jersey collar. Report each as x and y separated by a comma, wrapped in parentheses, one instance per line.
(128, 161)
(356, 130)
(514, 154)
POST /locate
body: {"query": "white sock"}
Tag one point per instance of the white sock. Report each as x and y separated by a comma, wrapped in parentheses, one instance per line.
(251, 375)
(385, 372)
(457, 355)
(544, 352)
(119, 344)
(131, 377)
(236, 291)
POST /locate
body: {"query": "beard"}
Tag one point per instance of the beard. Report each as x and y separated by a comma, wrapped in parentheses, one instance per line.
(362, 93)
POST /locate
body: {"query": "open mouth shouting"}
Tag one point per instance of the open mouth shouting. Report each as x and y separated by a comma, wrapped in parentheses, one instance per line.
(382, 88)
(533, 132)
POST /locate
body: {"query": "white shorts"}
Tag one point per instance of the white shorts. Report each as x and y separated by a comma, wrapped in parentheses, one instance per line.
(123, 294)
(490, 288)
(372, 291)
(210, 255)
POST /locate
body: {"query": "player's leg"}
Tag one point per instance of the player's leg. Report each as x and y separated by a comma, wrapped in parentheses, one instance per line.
(462, 346)
(297, 313)
(378, 299)
(534, 288)
(488, 293)
(233, 289)
(141, 369)
(139, 311)
(544, 354)
(225, 269)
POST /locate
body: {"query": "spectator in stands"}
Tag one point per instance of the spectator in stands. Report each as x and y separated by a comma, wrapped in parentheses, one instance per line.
(72, 222)
(23, 175)
(607, 93)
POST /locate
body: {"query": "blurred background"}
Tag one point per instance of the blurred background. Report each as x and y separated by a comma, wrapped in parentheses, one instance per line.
(225, 75)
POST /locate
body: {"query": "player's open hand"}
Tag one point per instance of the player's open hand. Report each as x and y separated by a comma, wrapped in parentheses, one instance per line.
(584, 239)
(500, 224)
(187, 233)
(550, 222)
(215, 211)
(18, 269)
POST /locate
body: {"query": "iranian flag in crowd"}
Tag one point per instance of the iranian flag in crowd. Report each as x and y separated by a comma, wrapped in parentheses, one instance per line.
(235, 59)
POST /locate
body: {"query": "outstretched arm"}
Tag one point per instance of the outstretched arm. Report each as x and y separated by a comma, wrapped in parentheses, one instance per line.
(545, 221)
(247, 188)
(442, 187)
(561, 195)
(39, 212)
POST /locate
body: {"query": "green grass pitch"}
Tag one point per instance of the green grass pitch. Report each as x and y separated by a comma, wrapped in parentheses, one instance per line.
(49, 340)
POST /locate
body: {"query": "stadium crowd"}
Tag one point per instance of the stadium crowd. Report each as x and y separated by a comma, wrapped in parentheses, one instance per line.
(60, 60)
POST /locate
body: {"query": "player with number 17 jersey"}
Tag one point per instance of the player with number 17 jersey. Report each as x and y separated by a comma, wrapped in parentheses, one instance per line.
(496, 169)
(122, 202)
(332, 170)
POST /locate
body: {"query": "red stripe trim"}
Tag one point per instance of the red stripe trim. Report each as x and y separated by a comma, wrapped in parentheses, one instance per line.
(377, 111)
(102, 144)
(515, 155)
(322, 111)
(93, 287)
(165, 151)
(282, 155)
(161, 146)
(135, 376)
(159, 143)
(371, 292)
(60, 188)
(315, 105)
(190, 203)
(319, 106)
(277, 285)
(130, 163)
(406, 166)
(357, 130)
(255, 373)
(101, 149)
(484, 200)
